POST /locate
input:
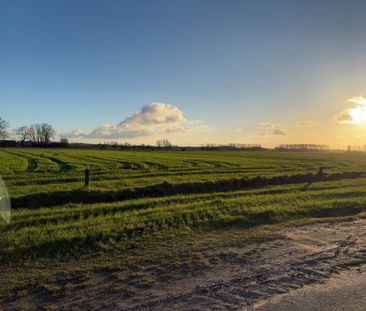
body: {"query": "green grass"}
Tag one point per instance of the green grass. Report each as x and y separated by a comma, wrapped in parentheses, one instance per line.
(73, 229)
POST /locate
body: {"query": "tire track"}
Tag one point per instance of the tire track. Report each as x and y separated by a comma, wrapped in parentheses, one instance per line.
(32, 163)
(264, 277)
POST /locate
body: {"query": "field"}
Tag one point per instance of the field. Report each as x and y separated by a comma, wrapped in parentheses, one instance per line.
(153, 216)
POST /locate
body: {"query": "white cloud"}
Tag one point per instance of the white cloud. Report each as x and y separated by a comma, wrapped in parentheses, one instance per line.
(359, 100)
(110, 131)
(155, 114)
(344, 117)
(153, 119)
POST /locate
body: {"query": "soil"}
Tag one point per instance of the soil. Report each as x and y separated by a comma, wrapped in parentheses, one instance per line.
(258, 276)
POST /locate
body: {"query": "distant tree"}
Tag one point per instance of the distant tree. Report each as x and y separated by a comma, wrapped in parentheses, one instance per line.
(32, 133)
(47, 133)
(64, 142)
(41, 134)
(4, 133)
(303, 147)
(164, 143)
(24, 133)
(38, 131)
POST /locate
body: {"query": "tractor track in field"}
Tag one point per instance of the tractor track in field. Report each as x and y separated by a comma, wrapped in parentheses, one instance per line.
(32, 163)
(167, 189)
(63, 167)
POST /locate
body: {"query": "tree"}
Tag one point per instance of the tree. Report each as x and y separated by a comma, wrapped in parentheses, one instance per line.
(47, 133)
(32, 133)
(41, 134)
(4, 133)
(64, 142)
(24, 133)
(38, 131)
(164, 143)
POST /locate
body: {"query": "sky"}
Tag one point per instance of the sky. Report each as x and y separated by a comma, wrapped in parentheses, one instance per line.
(193, 71)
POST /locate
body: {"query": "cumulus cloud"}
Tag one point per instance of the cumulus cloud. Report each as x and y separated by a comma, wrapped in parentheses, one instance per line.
(279, 132)
(155, 114)
(344, 117)
(156, 118)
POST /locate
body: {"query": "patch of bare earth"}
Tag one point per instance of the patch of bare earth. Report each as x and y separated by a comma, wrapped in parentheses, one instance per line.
(242, 277)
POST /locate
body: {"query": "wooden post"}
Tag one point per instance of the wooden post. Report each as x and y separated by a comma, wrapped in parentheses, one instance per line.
(321, 171)
(86, 179)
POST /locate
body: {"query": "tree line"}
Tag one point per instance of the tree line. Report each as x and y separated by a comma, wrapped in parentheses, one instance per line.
(39, 134)
(303, 147)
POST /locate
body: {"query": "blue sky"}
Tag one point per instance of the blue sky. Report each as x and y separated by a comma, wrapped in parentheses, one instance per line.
(226, 65)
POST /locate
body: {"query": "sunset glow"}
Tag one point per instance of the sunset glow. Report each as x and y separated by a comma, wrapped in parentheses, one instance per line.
(354, 115)
(360, 100)
(358, 115)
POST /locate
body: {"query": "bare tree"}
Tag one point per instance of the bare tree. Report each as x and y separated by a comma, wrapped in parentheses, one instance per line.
(35, 133)
(164, 143)
(38, 129)
(32, 133)
(41, 134)
(47, 133)
(4, 133)
(24, 133)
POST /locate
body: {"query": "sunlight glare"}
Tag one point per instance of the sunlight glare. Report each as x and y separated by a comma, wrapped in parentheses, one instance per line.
(358, 115)
(360, 100)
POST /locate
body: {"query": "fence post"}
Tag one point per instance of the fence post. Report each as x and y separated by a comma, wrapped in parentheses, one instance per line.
(321, 171)
(86, 179)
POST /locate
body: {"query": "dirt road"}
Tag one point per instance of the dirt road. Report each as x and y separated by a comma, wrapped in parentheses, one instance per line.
(305, 255)
(344, 292)
(306, 264)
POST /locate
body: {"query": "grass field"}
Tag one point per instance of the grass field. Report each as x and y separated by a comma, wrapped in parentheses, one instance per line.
(50, 224)
(57, 228)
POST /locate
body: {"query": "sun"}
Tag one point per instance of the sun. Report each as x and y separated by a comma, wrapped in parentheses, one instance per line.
(358, 115)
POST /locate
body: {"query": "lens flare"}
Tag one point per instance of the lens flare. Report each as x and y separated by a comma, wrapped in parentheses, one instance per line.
(5, 207)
